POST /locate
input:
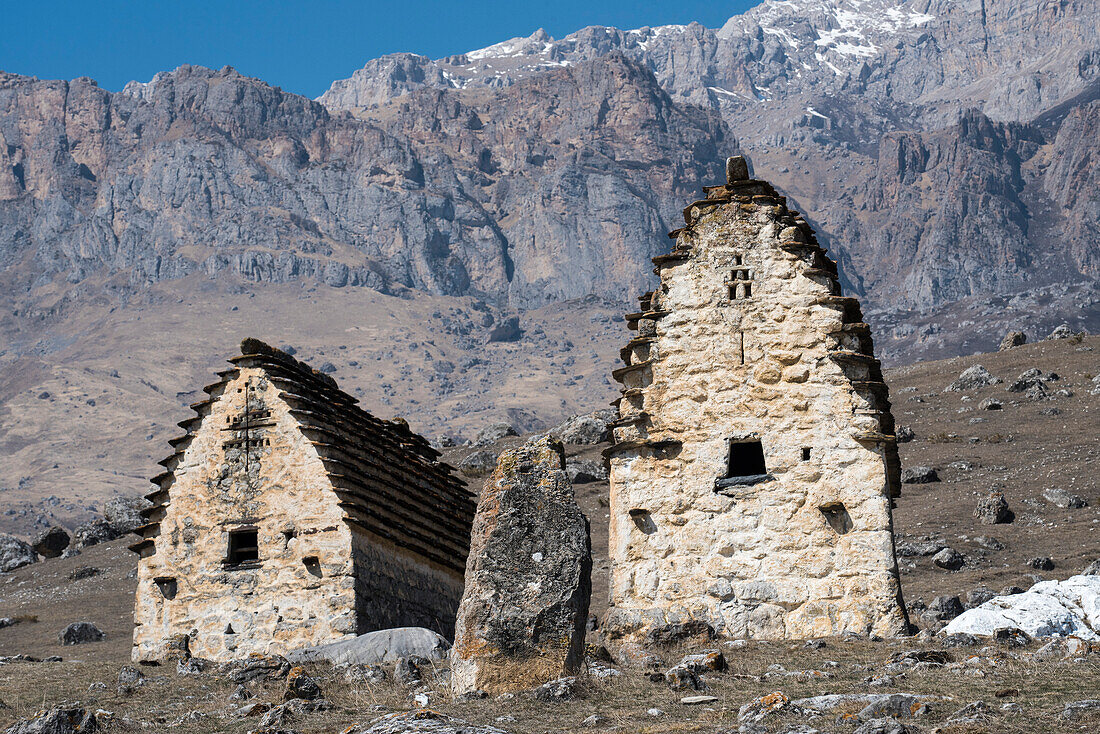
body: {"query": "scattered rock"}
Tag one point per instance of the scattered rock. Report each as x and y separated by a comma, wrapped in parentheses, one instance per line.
(382, 646)
(1042, 563)
(78, 633)
(916, 549)
(1075, 709)
(904, 434)
(949, 559)
(14, 553)
(528, 576)
(919, 475)
(409, 671)
(960, 639)
(1062, 498)
(672, 634)
(972, 378)
(253, 667)
(697, 700)
(51, 542)
(327, 368)
(588, 429)
(1012, 339)
(373, 674)
(561, 689)
(479, 463)
(680, 678)
(990, 404)
(993, 510)
(84, 572)
(945, 608)
(1070, 607)
(130, 677)
(756, 709)
(884, 726)
(977, 597)
(299, 684)
(422, 721)
(1093, 569)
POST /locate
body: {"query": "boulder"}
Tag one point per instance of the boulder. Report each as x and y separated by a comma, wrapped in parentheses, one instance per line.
(972, 378)
(300, 684)
(904, 434)
(491, 434)
(991, 404)
(919, 475)
(51, 542)
(506, 331)
(993, 510)
(1062, 498)
(949, 559)
(94, 532)
(479, 463)
(1012, 339)
(585, 471)
(15, 553)
(124, 513)
(372, 648)
(78, 633)
(68, 720)
(945, 607)
(1032, 382)
(1041, 563)
(1049, 608)
(521, 621)
(1061, 331)
(588, 429)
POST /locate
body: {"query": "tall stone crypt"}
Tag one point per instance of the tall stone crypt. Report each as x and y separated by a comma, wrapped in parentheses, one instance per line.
(288, 516)
(754, 461)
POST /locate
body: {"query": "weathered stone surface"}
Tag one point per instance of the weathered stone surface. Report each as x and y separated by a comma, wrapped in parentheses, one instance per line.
(589, 429)
(522, 618)
(78, 633)
(300, 684)
(1012, 339)
(1060, 332)
(51, 542)
(491, 434)
(15, 553)
(993, 509)
(506, 331)
(479, 463)
(1070, 607)
(972, 378)
(1066, 500)
(584, 471)
(382, 646)
(755, 441)
(1033, 379)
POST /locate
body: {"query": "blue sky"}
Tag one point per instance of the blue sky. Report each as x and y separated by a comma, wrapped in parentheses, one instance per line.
(300, 46)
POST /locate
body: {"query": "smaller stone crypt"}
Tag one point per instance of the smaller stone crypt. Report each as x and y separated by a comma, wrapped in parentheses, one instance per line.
(288, 516)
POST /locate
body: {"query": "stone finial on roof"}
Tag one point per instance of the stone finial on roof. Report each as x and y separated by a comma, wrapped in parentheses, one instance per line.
(737, 169)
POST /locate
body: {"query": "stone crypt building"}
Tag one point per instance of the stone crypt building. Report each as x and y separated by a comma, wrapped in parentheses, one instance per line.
(288, 516)
(754, 460)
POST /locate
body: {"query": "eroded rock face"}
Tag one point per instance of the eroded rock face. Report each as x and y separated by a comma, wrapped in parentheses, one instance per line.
(15, 553)
(51, 542)
(755, 444)
(522, 618)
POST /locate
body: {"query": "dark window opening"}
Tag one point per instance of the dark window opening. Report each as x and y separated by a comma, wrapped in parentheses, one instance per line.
(229, 630)
(745, 465)
(737, 260)
(167, 587)
(805, 453)
(837, 516)
(244, 547)
(313, 565)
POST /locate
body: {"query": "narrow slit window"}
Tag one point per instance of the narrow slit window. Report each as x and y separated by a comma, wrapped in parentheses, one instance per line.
(805, 453)
(244, 547)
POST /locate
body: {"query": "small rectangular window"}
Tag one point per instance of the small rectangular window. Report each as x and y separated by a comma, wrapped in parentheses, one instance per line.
(805, 453)
(745, 465)
(244, 547)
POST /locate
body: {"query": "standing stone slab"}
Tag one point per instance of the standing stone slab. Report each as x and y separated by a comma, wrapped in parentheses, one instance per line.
(521, 621)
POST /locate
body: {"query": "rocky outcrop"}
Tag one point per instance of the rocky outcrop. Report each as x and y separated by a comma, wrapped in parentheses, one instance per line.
(15, 553)
(1049, 608)
(383, 646)
(523, 613)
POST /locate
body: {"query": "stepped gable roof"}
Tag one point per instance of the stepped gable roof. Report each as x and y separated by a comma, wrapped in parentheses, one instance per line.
(388, 479)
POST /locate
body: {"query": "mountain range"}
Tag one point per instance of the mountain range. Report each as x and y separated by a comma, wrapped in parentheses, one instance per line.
(945, 150)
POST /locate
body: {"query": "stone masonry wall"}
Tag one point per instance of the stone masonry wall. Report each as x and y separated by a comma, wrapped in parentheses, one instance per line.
(302, 589)
(394, 589)
(747, 338)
